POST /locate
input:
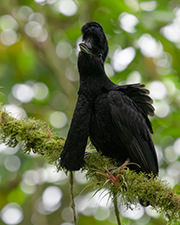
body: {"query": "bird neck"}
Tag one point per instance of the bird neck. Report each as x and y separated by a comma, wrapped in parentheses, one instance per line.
(93, 78)
(90, 65)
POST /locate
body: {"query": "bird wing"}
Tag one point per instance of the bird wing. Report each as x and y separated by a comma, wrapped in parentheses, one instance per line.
(139, 95)
(72, 157)
(133, 131)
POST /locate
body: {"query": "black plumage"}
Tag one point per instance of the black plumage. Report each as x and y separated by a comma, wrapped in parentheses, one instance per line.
(114, 117)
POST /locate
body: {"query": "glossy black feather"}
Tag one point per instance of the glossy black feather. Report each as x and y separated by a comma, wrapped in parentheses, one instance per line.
(139, 95)
(72, 156)
(132, 129)
(114, 117)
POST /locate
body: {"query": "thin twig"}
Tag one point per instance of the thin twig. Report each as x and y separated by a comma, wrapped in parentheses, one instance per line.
(72, 197)
(116, 210)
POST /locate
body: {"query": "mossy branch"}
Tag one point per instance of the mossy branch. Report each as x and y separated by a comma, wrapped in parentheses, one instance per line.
(34, 135)
(37, 137)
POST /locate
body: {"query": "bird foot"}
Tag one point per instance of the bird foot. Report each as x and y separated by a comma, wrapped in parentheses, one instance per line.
(114, 178)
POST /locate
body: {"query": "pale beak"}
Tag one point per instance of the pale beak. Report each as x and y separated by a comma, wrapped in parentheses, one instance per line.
(86, 47)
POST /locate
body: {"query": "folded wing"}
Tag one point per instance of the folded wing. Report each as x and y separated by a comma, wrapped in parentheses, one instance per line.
(140, 97)
(132, 126)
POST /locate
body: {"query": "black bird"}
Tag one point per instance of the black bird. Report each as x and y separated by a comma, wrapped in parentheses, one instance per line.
(114, 117)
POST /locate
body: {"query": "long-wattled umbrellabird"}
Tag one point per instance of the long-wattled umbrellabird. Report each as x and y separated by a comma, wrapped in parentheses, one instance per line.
(114, 117)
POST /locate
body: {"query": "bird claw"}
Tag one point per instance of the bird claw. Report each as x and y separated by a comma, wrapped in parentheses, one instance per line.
(114, 178)
(124, 165)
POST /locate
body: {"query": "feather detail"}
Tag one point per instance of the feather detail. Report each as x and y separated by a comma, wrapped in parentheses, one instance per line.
(141, 98)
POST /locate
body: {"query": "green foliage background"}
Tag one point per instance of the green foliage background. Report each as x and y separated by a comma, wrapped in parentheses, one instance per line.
(30, 60)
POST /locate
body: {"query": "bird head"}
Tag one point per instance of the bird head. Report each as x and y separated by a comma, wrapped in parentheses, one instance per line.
(94, 41)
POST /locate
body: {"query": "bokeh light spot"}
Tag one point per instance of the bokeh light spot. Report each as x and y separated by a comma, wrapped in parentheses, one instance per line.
(58, 119)
(33, 29)
(39, 1)
(50, 174)
(176, 146)
(15, 111)
(12, 214)
(24, 12)
(151, 212)
(165, 60)
(41, 91)
(128, 22)
(71, 75)
(38, 17)
(12, 163)
(133, 77)
(63, 49)
(122, 58)
(149, 46)
(173, 170)
(132, 4)
(8, 37)
(8, 150)
(162, 109)
(170, 85)
(7, 22)
(51, 198)
(43, 36)
(102, 198)
(157, 90)
(27, 189)
(148, 6)
(135, 212)
(31, 177)
(81, 177)
(172, 31)
(67, 7)
(66, 214)
(23, 92)
(170, 154)
(102, 213)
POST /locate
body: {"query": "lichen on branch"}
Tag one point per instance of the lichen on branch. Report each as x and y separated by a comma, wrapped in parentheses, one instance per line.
(36, 136)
